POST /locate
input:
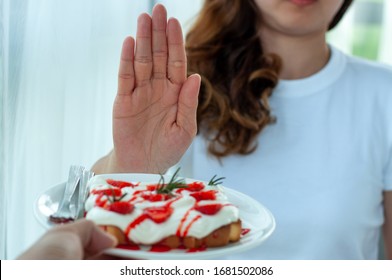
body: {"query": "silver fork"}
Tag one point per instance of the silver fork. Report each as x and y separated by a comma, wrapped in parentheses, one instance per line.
(63, 213)
(83, 191)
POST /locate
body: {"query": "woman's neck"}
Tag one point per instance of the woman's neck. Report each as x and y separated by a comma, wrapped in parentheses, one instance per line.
(302, 56)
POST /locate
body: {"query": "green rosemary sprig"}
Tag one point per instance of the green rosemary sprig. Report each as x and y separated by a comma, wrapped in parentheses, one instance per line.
(121, 197)
(216, 181)
(174, 183)
(113, 198)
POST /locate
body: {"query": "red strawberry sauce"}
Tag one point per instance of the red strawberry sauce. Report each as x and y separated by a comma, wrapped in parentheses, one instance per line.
(245, 231)
(156, 214)
(160, 214)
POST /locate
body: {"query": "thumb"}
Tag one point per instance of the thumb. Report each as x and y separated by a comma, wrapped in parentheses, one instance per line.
(71, 241)
(187, 102)
(94, 239)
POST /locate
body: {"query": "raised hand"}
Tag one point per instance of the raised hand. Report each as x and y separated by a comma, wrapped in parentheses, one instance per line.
(154, 113)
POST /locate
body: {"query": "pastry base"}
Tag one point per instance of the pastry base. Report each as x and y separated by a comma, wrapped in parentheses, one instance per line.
(219, 237)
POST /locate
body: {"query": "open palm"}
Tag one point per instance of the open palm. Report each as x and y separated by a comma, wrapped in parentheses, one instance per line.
(154, 113)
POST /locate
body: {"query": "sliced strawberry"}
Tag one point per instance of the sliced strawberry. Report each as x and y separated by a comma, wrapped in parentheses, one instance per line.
(139, 192)
(121, 207)
(192, 187)
(210, 209)
(120, 184)
(204, 195)
(101, 200)
(156, 197)
(158, 214)
(195, 187)
(110, 192)
(152, 187)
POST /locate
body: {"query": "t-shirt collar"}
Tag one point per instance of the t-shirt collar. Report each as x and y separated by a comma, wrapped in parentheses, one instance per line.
(316, 82)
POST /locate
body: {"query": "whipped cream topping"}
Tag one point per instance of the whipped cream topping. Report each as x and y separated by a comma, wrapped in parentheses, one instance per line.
(147, 217)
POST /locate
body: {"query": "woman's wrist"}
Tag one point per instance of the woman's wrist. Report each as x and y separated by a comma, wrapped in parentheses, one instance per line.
(111, 163)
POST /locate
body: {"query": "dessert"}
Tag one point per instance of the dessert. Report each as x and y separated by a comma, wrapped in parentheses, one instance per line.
(176, 214)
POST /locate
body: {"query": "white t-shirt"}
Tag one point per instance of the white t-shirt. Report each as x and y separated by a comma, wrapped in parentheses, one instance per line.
(322, 168)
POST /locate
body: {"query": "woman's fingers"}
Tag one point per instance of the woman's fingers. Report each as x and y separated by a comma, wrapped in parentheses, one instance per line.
(177, 57)
(94, 240)
(126, 73)
(160, 51)
(159, 42)
(161, 107)
(143, 54)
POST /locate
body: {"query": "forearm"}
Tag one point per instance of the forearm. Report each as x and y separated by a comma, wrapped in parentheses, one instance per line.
(102, 165)
(109, 164)
(387, 229)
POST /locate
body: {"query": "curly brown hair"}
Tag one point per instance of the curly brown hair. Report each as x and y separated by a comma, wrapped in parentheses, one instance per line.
(224, 47)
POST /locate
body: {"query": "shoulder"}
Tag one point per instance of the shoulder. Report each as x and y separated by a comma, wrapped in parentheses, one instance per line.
(367, 71)
(367, 80)
(367, 83)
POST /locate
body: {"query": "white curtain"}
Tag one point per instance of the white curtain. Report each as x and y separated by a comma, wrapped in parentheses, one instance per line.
(2, 136)
(59, 63)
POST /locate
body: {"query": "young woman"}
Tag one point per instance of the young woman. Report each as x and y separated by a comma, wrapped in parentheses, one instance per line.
(286, 118)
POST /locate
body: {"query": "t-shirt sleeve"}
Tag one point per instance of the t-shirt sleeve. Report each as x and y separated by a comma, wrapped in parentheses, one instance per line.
(388, 130)
(388, 175)
(387, 102)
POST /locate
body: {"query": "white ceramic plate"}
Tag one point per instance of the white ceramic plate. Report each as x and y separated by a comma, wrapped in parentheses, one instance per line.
(254, 216)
